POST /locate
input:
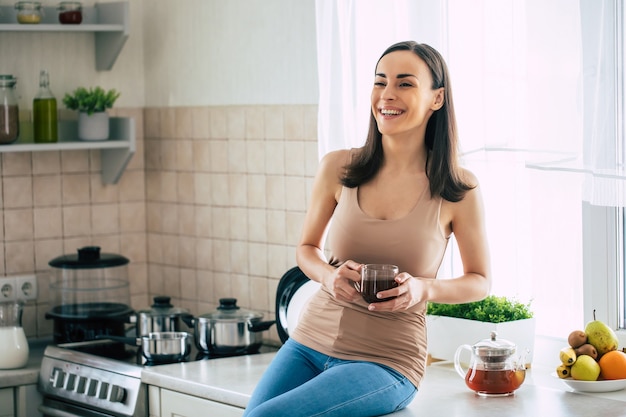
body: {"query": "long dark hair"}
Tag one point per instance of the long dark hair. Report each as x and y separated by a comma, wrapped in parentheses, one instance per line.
(442, 166)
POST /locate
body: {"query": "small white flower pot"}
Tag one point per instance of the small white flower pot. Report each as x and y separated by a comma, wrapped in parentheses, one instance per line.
(93, 127)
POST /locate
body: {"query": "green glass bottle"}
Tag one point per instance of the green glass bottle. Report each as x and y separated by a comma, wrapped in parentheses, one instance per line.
(45, 126)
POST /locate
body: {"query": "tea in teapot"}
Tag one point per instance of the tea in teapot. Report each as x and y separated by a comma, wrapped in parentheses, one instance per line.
(493, 371)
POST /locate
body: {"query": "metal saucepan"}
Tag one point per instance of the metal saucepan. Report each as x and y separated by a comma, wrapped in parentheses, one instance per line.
(229, 330)
(161, 317)
(159, 347)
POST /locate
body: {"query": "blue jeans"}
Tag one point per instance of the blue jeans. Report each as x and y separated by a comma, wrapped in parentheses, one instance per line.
(301, 382)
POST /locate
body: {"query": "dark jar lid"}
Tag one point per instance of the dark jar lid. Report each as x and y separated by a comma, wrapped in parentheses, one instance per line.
(88, 257)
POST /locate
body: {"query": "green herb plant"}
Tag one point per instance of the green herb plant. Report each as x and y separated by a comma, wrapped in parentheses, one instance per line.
(90, 101)
(492, 309)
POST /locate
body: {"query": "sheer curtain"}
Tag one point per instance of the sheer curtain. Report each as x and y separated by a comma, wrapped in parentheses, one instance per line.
(516, 70)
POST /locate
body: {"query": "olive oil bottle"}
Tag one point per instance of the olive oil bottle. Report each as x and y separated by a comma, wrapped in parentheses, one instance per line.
(45, 127)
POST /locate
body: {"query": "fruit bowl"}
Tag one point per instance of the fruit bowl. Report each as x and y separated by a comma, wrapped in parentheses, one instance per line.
(594, 386)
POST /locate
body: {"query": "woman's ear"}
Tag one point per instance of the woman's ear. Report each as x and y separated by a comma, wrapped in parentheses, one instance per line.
(438, 100)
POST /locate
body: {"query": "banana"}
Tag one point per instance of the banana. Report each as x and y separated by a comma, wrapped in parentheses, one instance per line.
(563, 371)
(567, 356)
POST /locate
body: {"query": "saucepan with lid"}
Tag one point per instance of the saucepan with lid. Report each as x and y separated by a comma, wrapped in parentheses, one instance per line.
(229, 330)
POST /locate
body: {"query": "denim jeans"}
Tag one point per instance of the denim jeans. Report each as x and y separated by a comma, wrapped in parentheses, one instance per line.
(301, 382)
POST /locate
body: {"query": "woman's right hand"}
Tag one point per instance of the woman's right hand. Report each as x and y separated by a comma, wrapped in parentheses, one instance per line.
(343, 281)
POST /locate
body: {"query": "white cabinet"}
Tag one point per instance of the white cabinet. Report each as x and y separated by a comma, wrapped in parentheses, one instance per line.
(20, 401)
(175, 404)
(108, 21)
(7, 403)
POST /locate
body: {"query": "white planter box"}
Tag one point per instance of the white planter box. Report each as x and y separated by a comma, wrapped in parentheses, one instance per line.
(446, 334)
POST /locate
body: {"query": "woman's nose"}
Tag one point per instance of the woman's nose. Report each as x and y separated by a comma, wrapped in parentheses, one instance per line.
(388, 93)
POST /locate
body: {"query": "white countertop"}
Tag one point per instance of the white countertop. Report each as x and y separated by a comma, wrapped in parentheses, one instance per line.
(443, 392)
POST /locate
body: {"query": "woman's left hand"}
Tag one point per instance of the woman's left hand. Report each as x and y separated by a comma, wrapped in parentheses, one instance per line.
(409, 292)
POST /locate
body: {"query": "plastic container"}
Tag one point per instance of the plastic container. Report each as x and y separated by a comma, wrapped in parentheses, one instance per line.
(9, 112)
(28, 12)
(70, 12)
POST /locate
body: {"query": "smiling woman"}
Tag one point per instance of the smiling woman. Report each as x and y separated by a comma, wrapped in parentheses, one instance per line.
(517, 91)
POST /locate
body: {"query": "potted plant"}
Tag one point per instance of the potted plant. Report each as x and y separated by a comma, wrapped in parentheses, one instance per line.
(91, 104)
(452, 325)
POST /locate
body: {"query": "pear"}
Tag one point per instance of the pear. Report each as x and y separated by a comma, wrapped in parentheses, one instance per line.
(601, 336)
(585, 369)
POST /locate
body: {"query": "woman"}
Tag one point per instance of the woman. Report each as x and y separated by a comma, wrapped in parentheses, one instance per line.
(396, 200)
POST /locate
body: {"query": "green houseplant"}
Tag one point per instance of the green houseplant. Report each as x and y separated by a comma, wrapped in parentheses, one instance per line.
(91, 104)
(452, 325)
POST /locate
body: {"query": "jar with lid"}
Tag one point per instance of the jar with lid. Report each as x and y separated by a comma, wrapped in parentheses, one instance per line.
(70, 12)
(9, 112)
(28, 12)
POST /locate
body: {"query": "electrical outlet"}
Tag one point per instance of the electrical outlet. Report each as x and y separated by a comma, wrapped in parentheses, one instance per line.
(26, 287)
(7, 289)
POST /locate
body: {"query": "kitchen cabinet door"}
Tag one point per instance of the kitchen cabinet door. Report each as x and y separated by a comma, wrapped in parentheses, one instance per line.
(7, 406)
(175, 404)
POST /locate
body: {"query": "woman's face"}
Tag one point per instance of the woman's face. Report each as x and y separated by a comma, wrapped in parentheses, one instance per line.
(402, 97)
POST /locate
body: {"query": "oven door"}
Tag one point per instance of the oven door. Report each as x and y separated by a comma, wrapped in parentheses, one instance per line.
(55, 408)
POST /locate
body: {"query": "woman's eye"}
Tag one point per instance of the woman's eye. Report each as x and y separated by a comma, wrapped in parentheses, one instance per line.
(406, 85)
(379, 84)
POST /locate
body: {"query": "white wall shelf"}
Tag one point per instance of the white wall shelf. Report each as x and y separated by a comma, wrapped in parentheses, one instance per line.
(108, 21)
(115, 153)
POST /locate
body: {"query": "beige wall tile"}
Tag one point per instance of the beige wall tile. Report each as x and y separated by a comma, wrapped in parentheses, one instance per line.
(184, 155)
(257, 193)
(75, 188)
(169, 186)
(237, 155)
(170, 246)
(75, 161)
(220, 256)
(168, 123)
(257, 260)
(275, 188)
(45, 251)
(184, 122)
(19, 257)
(46, 190)
(295, 189)
(238, 189)
(188, 284)
(203, 217)
(223, 286)
(155, 248)
(18, 191)
(202, 155)
(276, 226)
(187, 220)
(200, 121)
(132, 186)
(202, 188)
(220, 222)
(220, 194)
(255, 122)
(152, 128)
(186, 187)
(169, 218)
(219, 156)
(275, 157)
(187, 251)
(205, 254)
(260, 297)
(274, 125)
(46, 162)
(18, 224)
(105, 219)
(257, 225)
(294, 158)
(238, 229)
(135, 247)
(236, 122)
(219, 121)
(294, 123)
(255, 156)
(169, 156)
(16, 163)
(48, 223)
(77, 221)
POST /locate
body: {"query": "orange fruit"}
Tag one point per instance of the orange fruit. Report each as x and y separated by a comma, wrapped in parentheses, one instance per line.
(613, 365)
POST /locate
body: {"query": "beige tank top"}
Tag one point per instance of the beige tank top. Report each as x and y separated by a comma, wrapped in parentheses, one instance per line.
(350, 331)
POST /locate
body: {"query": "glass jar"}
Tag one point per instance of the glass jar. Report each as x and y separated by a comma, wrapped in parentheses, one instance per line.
(70, 12)
(28, 12)
(9, 112)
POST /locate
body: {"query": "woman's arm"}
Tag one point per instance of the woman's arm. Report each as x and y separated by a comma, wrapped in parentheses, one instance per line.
(310, 251)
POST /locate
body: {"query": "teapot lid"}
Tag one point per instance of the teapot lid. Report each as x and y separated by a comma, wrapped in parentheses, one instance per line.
(492, 350)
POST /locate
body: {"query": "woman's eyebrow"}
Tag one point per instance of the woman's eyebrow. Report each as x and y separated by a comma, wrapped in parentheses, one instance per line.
(383, 75)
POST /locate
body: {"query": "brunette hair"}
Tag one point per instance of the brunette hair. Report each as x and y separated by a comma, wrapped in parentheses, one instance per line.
(442, 166)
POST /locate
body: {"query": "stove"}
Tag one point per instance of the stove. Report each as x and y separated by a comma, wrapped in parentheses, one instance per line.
(97, 378)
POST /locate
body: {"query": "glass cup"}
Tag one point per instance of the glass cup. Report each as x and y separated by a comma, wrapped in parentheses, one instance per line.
(376, 278)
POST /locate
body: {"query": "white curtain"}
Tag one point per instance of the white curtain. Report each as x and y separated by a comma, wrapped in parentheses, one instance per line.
(517, 80)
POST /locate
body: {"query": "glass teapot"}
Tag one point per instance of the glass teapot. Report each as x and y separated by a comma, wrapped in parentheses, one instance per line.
(13, 344)
(493, 368)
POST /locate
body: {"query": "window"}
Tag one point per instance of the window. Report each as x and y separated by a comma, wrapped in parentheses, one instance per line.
(539, 123)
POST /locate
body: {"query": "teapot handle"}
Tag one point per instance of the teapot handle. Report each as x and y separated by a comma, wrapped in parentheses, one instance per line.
(457, 361)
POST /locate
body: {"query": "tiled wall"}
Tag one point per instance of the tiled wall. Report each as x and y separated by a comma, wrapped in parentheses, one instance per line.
(210, 206)
(226, 192)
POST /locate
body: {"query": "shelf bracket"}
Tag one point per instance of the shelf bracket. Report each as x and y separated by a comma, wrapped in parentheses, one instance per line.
(110, 44)
(114, 161)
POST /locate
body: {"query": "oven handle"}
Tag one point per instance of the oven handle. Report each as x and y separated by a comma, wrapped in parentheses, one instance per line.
(47, 411)
(54, 412)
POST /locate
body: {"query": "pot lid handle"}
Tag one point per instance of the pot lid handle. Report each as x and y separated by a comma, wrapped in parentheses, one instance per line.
(228, 304)
(162, 301)
(88, 253)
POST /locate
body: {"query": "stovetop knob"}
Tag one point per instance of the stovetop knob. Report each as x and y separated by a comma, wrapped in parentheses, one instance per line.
(118, 394)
